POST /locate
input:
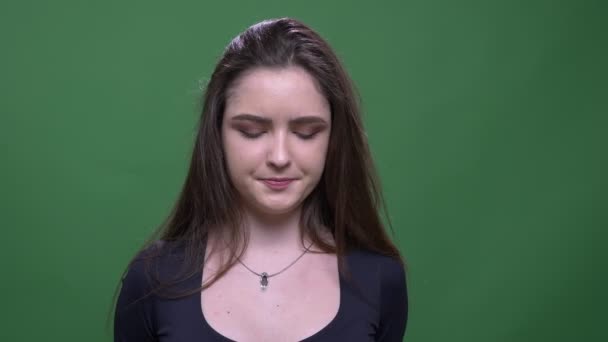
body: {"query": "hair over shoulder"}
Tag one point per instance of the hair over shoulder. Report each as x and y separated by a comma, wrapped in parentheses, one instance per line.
(347, 201)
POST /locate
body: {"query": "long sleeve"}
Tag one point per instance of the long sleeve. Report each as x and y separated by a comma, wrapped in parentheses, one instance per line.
(133, 318)
(394, 303)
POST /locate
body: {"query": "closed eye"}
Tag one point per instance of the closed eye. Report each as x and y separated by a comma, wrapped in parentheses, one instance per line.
(257, 134)
(306, 136)
(250, 134)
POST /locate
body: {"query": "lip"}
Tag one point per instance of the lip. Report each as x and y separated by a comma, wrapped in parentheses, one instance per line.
(277, 183)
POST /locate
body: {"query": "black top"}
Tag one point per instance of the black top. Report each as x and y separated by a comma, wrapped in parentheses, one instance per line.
(372, 308)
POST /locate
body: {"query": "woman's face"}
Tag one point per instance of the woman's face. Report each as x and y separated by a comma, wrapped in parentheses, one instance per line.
(275, 131)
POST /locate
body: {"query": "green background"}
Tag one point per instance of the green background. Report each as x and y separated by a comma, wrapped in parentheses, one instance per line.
(487, 120)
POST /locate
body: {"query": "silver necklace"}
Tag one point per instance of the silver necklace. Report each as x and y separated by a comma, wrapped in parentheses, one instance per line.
(264, 276)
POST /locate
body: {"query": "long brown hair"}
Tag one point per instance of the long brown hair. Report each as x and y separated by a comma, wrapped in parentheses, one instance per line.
(348, 198)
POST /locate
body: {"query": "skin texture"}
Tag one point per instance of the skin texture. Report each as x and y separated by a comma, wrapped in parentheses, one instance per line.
(277, 146)
(276, 124)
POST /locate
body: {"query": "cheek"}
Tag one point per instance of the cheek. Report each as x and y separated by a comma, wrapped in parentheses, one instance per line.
(233, 154)
(241, 156)
(315, 159)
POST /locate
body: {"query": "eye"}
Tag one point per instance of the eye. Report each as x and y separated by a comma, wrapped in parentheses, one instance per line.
(250, 134)
(306, 136)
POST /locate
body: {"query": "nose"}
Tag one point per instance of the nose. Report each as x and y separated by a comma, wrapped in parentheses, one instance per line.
(278, 155)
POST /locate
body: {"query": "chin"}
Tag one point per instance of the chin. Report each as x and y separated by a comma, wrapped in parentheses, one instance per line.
(276, 208)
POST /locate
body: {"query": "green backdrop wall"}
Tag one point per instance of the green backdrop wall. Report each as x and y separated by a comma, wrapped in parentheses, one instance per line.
(487, 120)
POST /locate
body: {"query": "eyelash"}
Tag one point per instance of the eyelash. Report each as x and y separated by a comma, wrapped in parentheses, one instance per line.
(257, 135)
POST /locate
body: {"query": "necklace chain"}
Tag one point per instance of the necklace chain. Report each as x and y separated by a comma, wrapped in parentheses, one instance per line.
(264, 276)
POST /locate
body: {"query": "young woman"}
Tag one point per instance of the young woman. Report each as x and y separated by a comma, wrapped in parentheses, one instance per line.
(276, 234)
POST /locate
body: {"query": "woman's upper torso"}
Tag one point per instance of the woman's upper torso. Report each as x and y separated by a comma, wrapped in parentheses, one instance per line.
(373, 306)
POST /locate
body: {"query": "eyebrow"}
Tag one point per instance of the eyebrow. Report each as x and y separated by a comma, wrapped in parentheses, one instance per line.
(263, 120)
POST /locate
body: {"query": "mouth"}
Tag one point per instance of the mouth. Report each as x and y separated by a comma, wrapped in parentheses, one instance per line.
(277, 183)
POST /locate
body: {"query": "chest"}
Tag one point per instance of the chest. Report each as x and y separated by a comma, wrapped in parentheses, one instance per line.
(296, 304)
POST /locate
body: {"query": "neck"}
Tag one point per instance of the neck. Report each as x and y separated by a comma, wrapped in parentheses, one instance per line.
(273, 233)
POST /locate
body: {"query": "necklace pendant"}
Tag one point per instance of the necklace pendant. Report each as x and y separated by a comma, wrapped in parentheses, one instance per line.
(264, 281)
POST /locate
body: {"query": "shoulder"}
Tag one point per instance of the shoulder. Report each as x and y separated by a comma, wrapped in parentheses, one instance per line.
(389, 268)
(150, 264)
(391, 293)
(377, 274)
(156, 254)
(134, 311)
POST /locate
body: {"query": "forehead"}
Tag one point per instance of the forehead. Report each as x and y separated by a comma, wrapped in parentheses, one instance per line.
(278, 94)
